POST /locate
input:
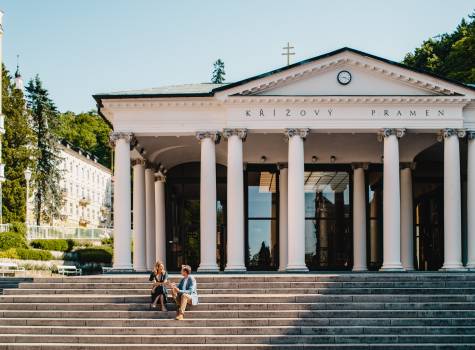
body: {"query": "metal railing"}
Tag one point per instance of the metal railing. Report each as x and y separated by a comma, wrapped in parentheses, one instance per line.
(55, 232)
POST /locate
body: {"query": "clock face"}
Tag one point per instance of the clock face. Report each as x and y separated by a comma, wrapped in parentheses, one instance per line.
(344, 77)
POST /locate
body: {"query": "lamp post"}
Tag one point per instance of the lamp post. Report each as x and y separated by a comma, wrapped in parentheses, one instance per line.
(27, 178)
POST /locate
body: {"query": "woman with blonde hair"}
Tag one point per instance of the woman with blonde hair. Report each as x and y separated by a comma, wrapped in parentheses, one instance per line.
(159, 276)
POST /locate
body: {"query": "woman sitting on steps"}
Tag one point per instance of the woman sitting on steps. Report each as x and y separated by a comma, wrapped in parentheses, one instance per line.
(159, 276)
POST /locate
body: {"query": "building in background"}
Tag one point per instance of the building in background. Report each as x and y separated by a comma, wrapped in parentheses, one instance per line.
(87, 194)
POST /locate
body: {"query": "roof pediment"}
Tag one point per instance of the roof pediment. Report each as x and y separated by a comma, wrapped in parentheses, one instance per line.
(370, 76)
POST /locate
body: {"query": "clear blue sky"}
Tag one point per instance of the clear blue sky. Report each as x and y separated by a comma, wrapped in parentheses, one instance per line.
(83, 47)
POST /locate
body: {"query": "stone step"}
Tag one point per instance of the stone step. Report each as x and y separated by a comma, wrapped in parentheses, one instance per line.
(235, 298)
(241, 322)
(349, 277)
(268, 305)
(239, 314)
(349, 346)
(256, 285)
(238, 339)
(269, 330)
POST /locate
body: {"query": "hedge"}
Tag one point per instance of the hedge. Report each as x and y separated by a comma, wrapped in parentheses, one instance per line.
(61, 245)
(12, 240)
(26, 254)
(101, 254)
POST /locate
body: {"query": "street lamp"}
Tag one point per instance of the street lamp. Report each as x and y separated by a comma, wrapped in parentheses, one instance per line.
(27, 178)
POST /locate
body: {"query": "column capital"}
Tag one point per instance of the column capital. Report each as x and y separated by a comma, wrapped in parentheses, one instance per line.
(241, 133)
(302, 132)
(448, 132)
(213, 135)
(127, 136)
(386, 132)
(407, 165)
(362, 165)
(281, 166)
(138, 161)
(160, 177)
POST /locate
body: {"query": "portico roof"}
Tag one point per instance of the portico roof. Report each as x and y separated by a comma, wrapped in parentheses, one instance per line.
(209, 89)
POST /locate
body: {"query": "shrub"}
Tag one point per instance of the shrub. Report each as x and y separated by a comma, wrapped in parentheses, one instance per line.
(34, 254)
(9, 254)
(19, 227)
(62, 245)
(12, 240)
(26, 254)
(107, 241)
(101, 254)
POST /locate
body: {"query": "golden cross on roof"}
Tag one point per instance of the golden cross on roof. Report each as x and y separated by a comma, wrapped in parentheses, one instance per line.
(288, 53)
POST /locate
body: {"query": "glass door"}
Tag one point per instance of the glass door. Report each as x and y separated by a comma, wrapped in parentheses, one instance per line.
(262, 244)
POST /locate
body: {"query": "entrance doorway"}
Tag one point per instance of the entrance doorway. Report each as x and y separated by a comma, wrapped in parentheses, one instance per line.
(183, 216)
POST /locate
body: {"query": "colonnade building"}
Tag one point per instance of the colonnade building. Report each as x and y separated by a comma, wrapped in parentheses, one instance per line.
(345, 161)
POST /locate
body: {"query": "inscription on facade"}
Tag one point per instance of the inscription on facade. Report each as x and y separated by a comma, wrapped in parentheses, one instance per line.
(330, 112)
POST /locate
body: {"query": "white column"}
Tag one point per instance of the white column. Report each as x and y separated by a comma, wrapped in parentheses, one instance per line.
(160, 233)
(471, 201)
(283, 218)
(208, 201)
(452, 201)
(391, 202)
(138, 211)
(150, 217)
(122, 220)
(359, 219)
(235, 200)
(407, 220)
(296, 201)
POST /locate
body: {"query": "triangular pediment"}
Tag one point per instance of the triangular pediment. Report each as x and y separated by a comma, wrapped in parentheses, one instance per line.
(370, 76)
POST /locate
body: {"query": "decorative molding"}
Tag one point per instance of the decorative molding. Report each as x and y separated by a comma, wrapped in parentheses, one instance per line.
(302, 132)
(241, 133)
(213, 135)
(386, 132)
(127, 136)
(153, 103)
(263, 99)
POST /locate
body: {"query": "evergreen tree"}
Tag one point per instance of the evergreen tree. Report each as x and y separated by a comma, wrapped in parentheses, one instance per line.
(46, 175)
(451, 54)
(89, 132)
(218, 72)
(17, 151)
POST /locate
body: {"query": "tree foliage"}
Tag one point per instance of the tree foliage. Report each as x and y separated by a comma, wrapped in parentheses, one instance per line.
(46, 173)
(17, 152)
(218, 72)
(451, 54)
(87, 131)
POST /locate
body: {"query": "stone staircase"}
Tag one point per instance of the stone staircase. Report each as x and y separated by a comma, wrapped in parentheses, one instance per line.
(253, 311)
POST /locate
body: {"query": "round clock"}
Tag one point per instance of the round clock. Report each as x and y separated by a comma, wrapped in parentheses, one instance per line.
(344, 77)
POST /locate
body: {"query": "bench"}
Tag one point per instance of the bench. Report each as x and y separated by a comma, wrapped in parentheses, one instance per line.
(106, 269)
(9, 268)
(67, 270)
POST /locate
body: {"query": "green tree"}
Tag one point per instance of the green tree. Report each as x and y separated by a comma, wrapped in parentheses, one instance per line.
(218, 72)
(87, 131)
(17, 152)
(46, 174)
(451, 54)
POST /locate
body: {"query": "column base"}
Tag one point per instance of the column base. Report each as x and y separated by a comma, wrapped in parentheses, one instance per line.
(208, 268)
(453, 267)
(392, 267)
(122, 268)
(470, 266)
(359, 269)
(235, 268)
(140, 269)
(296, 268)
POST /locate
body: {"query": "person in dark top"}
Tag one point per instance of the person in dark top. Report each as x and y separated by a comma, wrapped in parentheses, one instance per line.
(159, 277)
